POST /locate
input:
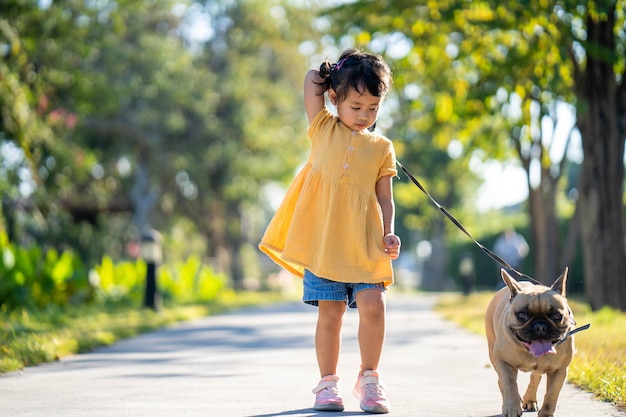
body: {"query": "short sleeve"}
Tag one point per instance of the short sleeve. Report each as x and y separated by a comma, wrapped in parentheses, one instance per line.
(319, 122)
(389, 163)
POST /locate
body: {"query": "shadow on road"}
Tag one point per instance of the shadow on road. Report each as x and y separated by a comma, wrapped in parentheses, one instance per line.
(309, 412)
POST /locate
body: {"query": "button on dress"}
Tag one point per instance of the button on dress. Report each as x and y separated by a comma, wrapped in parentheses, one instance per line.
(330, 221)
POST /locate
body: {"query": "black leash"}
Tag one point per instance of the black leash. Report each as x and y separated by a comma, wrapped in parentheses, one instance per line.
(460, 226)
(484, 249)
(580, 329)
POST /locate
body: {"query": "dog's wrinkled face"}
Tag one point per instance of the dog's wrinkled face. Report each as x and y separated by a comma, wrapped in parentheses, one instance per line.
(539, 321)
(538, 316)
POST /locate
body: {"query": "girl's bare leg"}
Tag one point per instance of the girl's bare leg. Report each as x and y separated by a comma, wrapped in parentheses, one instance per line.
(372, 307)
(328, 335)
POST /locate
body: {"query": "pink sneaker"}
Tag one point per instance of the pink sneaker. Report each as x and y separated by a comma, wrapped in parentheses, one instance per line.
(327, 396)
(371, 393)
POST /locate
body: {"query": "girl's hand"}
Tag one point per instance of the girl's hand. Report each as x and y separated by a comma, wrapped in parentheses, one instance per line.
(392, 245)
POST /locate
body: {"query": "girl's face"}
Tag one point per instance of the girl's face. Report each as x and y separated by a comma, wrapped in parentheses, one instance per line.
(358, 111)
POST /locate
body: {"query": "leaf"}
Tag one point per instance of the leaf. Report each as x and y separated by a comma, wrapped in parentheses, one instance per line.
(63, 268)
(8, 258)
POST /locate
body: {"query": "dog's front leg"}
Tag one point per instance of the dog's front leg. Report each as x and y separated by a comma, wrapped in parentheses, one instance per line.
(555, 382)
(529, 400)
(507, 380)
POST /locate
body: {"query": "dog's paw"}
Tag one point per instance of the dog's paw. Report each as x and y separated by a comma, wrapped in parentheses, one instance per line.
(530, 405)
(512, 409)
(545, 413)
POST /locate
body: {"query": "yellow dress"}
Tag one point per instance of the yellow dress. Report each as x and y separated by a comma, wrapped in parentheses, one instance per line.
(329, 221)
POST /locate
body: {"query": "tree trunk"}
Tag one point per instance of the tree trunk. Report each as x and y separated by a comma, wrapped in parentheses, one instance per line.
(143, 195)
(221, 227)
(538, 232)
(602, 174)
(435, 268)
(545, 230)
(213, 227)
(235, 236)
(545, 238)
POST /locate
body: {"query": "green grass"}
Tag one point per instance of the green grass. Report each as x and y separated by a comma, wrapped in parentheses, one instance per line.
(29, 338)
(600, 362)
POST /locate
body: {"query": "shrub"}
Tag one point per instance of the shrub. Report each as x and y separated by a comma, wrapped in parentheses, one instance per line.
(34, 278)
(189, 281)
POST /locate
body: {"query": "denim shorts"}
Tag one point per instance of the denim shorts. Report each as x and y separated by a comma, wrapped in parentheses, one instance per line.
(316, 289)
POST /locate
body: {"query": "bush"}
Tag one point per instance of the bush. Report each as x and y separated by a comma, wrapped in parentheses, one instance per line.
(189, 281)
(34, 278)
(118, 283)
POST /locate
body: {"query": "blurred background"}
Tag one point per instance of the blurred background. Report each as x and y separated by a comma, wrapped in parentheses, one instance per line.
(127, 119)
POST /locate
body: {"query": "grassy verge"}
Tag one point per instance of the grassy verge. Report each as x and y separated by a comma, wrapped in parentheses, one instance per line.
(600, 362)
(30, 338)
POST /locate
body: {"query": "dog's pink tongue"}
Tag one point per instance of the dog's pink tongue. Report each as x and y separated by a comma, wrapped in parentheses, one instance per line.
(541, 347)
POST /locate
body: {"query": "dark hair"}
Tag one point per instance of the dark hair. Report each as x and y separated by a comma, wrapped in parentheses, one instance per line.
(356, 70)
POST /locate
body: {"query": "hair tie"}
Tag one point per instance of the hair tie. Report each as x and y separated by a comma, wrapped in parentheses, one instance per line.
(337, 66)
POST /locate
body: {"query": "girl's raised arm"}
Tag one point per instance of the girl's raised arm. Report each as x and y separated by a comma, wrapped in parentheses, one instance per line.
(313, 94)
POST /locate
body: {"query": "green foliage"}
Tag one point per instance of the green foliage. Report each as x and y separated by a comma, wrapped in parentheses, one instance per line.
(33, 277)
(178, 282)
(123, 117)
(491, 80)
(189, 281)
(116, 108)
(119, 282)
(50, 306)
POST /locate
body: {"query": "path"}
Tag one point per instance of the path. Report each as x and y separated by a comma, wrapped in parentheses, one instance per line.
(260, 363)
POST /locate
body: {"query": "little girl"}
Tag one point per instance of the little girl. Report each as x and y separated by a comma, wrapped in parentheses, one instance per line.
(335, 226)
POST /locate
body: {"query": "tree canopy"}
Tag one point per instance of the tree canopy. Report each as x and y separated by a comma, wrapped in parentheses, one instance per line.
(186, 114)
(491, 76)
(126, 116)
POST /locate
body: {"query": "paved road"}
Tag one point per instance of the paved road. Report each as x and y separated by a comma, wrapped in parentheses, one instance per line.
(261, 363)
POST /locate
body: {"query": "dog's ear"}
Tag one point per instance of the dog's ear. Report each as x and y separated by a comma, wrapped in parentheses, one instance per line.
(559, 284)
(510, 282)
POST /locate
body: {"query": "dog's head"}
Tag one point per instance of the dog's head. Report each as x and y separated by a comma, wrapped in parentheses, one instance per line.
(538, 316)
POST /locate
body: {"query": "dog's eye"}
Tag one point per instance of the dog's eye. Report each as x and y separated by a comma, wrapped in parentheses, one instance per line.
(557, 316)
(523, 316)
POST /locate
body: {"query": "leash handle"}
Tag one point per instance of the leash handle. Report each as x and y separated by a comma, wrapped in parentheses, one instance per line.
(460, 226)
